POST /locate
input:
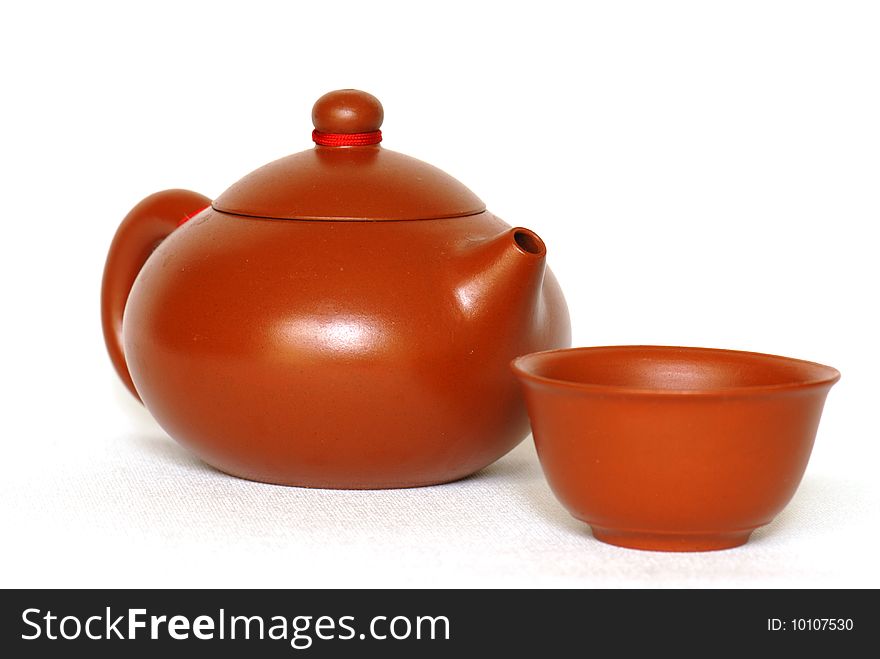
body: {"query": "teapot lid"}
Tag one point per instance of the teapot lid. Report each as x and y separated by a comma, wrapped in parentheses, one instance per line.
(348, 175)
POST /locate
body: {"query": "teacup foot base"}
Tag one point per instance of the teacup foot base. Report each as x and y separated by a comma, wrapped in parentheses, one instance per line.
(650, 541)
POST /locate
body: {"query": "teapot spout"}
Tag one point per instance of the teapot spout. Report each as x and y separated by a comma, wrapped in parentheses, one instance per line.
(528, 242)
(519, 256)
(506, 279)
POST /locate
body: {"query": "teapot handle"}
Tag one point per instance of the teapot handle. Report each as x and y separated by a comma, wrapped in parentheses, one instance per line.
(141, 232)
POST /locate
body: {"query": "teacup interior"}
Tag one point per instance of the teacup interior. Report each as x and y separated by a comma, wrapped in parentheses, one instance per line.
(663, 368)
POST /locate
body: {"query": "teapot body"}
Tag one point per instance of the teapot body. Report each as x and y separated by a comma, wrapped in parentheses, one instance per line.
(341, 354)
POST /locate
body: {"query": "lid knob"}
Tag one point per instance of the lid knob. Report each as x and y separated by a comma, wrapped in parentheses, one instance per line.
(347, 117)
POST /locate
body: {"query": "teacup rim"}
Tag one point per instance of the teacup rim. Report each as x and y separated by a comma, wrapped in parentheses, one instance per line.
(523, 366)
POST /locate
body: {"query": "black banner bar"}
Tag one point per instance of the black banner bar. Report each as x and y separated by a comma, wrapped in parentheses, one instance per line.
(436, 623)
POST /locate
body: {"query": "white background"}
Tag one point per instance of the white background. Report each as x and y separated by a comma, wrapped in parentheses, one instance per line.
(703, 173)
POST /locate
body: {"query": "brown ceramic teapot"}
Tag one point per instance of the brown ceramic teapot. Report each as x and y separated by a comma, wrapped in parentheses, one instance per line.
(343, 317)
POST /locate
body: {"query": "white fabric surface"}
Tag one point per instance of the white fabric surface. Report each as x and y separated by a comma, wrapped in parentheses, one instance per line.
(118, 505)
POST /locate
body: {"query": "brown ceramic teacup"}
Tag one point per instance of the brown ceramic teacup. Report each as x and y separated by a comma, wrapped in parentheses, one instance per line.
(673, 449)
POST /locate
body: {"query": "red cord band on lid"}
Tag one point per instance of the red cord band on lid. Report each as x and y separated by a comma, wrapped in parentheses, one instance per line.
(343, 139)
